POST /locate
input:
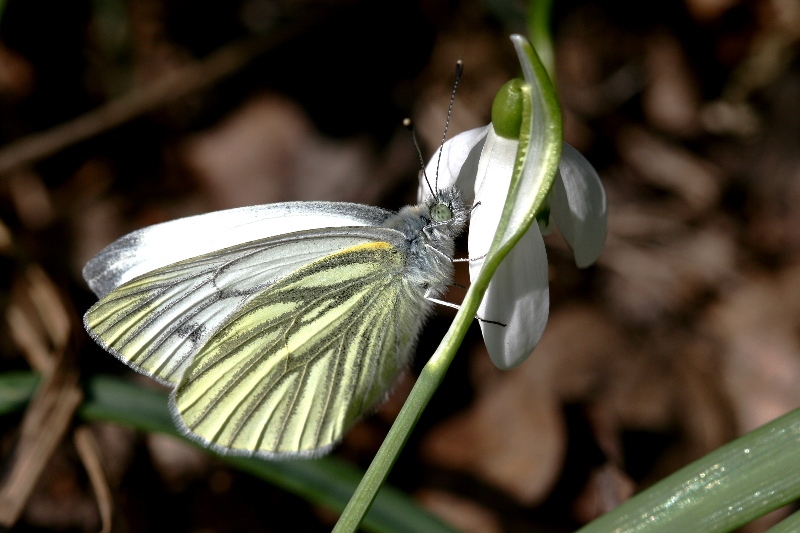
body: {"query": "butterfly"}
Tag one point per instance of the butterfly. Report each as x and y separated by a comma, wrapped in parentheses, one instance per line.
(276, 326)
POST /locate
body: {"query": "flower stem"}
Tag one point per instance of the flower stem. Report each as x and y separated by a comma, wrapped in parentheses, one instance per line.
(539, 12)
(429, 380)
(541, 129)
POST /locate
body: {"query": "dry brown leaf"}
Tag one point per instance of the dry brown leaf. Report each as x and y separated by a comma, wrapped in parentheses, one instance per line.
(268, 151)
(640, 393)
(515, 431)
(118, 444)
(17, 77)
(650, 282)
(89, 452)
(758, 325)
(177, 462)
(579, 352)
(61, 501)
(606, 488)
(670, 167)
(41, 326)
(703, 405)
(252, 156)
(670, 100)
(31, 199)
(708, 10)
(513, 438)
(54, 315)
(475, 94)
(598, 68)
(669, 385)
(642, 221)
(39, 322)
(763, 523)
(5, 238)
(45, 423)
(26, 336)
(97, 226)
(463, 514)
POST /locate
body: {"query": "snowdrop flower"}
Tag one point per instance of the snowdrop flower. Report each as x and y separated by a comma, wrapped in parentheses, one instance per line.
(481, 163)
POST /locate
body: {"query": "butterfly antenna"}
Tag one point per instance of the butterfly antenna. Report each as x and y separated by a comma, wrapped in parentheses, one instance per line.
(410, 127)
(459, 71)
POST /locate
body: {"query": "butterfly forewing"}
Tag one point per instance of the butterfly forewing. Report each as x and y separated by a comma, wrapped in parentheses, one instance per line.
(300, 362)
(163, 244)
(157, 322)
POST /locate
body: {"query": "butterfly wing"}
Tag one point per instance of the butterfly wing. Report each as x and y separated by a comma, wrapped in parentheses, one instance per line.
(163, 244)
(157, 322)
(298, 364)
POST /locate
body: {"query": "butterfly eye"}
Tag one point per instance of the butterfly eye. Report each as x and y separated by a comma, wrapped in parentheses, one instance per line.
(441, 213)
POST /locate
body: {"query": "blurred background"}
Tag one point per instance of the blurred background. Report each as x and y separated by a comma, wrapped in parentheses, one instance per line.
(119, 114)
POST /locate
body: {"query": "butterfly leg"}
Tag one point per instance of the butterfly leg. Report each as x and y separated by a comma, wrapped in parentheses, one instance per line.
(456, 306)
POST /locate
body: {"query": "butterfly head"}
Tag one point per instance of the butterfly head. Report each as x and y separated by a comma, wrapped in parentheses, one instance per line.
(445, 218)
(436, 221)
(446, 214)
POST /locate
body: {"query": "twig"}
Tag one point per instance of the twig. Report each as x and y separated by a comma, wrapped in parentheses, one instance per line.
(89, 452)
(173, 86)
(50, 412)
(46, 421)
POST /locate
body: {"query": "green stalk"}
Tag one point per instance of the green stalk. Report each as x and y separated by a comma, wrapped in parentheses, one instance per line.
(533, 175)
(427, 383)
(539, 14)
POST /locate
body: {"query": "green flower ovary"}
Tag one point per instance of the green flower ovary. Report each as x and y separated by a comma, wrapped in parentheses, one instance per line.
(507, 109)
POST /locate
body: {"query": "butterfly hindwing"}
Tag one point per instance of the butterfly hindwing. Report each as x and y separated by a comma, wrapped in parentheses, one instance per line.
(301, 361)
(156, 323)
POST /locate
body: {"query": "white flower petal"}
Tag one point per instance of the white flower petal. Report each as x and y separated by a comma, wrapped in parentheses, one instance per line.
(518, 296)
(578, 206)
(491, 189)
(458, 165)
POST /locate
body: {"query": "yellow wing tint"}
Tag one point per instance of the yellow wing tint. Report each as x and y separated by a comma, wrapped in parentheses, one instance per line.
(299, 363)
(157, 322)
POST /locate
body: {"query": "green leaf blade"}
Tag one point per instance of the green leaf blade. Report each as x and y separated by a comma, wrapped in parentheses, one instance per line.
(729, 487)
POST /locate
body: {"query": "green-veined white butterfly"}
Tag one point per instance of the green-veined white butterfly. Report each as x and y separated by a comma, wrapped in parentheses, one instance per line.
(277, 325)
